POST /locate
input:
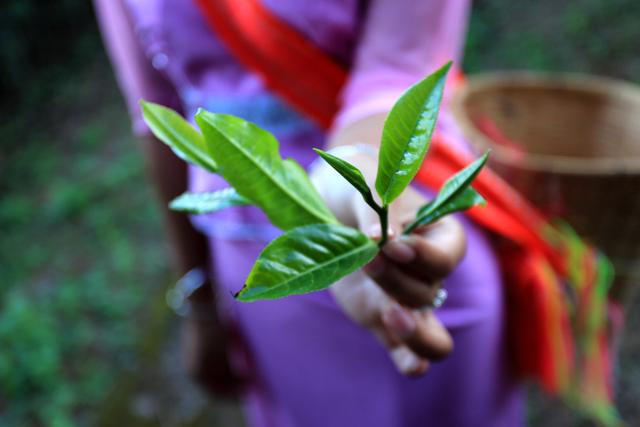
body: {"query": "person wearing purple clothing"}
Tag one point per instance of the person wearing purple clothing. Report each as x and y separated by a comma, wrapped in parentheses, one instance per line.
(351, 355)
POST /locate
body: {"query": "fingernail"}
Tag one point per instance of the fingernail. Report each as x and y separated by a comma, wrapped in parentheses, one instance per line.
(399, 321)
(375, 267)
(375, 232)
(399, 251)
(391, 233)
(405, 360)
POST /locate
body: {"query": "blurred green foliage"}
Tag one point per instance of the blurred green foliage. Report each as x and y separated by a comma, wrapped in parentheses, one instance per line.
(81, 250)
(81, 254)
(586, 36)
(41, 38)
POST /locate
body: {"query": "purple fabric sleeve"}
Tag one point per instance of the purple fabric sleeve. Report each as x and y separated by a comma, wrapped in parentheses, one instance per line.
(136, 76)
(428, 33)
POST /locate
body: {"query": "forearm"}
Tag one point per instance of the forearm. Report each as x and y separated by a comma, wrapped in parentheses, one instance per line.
(168, 175)
(364, 131)
(138, 79)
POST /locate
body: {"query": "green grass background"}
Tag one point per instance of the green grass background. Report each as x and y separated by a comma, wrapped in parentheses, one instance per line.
(84, 336)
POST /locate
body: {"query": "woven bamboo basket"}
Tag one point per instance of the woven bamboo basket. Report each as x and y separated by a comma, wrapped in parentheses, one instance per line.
(571, 145)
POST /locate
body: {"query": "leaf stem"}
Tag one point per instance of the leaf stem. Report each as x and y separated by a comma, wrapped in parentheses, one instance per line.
(383, 213)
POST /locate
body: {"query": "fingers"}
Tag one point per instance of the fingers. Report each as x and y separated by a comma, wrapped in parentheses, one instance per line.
(421, 332)
(439, 247)
(406, 289)
(429, 254)
(431, 339)
(407, 362)
(404, 332)
(410, 270)
(436, 249)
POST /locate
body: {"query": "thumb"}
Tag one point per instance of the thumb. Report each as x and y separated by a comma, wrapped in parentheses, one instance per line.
(369, 223)
(367, 219)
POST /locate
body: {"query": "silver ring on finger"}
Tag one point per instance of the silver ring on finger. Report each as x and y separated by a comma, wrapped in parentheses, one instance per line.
(438, 300)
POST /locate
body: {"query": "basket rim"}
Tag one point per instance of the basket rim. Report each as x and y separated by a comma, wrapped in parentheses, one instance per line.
(545, 162)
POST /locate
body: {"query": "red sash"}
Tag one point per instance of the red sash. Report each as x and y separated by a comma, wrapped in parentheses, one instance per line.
(546, 268)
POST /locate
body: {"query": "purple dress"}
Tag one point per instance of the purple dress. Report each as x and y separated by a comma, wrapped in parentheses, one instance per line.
(315, 367)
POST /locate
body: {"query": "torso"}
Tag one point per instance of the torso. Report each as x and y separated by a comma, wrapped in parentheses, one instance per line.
(315, 367)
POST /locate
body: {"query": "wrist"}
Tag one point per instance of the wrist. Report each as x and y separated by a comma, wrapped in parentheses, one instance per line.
(367, 129)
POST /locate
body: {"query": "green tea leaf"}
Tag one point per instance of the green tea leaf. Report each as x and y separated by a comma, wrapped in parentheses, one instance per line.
(248, 159)
(467, 199)
(460, 181)
(407, 134)
(456, 194)
(307, 259)
(352, 174)
(203, 203)
(170, 128)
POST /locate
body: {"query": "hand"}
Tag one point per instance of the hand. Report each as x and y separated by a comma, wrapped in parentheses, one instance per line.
(386, 296)
(214, 355)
